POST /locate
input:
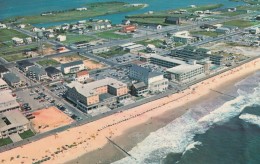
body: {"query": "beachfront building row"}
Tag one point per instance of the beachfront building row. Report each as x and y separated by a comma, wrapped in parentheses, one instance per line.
(13, 122)
(154, 81)
(105, 92)
(176, 70)
(200, 54)
(8, 101)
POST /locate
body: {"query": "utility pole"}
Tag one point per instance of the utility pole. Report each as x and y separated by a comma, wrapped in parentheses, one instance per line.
(39, 40)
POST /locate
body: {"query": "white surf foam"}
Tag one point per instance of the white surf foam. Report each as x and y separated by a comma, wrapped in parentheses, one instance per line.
(177, 137)
(250, 118)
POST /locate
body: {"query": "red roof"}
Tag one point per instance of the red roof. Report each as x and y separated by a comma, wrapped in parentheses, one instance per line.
(82, 73)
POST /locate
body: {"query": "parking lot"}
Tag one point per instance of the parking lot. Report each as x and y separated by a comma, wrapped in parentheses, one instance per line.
(124, 58)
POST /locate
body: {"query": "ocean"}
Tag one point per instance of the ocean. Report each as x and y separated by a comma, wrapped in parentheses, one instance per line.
(11, 8)
(223, 131)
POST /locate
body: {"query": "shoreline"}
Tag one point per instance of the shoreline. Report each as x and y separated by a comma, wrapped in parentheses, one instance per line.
(131, 137)
(75, 142)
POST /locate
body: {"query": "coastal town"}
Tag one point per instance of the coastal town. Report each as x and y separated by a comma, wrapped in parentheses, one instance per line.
(78, 85)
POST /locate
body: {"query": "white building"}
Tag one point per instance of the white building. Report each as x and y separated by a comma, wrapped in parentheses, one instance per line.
(72, 67)
(183, 37)
(17, 40)
(2, 26)
(61, 38)
(8, 101)
(81, 9)
(3, 85)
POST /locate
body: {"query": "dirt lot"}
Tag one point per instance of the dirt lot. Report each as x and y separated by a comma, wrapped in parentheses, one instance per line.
(69, 58)
(243, 50)
(48, 119)
(90, 64)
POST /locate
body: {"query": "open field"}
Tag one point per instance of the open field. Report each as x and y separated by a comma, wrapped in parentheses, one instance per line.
(73, 38)
(48, 62)
(69, 58)
(93, 10)
(112, 35)
(114, 51)
(206, 33)
(91, 64)
(48, 119)
(8, 34)
(238, 12)
(155, 42)
(241, 23)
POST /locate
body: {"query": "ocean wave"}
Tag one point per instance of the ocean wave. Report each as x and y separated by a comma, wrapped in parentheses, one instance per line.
(192, 146)
(177, 136)
(250, 118)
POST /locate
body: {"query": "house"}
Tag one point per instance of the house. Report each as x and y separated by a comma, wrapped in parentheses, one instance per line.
(28, 40)
(35, 29)
(24, 65)
(61, 38)
(82, 76)
(21, 26)
(104, 92)
(2, 26)
(48, 34)
(81, 9)
(12, 80)
(150, 48)
(3, 70)
(8, 101)
(31, 54)
(53, 73)
(172, 20)
(126, 22)
(223, 30)
(139, 89)
(3, 85)
(37, 73)
(17, 41)
(129, 28)
(255, 30)
(154, 80)
(13, 122)
(257, 17)
(72, 67)
(183, 37)
(100, 50)
(232, 9)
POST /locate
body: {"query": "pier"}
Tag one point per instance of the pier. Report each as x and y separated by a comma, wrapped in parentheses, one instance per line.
(222, 93)
(120, 148)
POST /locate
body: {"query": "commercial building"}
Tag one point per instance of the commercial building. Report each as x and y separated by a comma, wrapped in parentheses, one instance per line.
(139, 89)
(24, 65)
(173, 20)
(72, 67)
(132, 47)
(53, 73)
(8, 101)
(37, 73)
(13, 122)
(61, 38)
(129, 28)
(3, 70)
(82, 76)
(12, 80)
(201, 55)
(3, 85)
(154, 80)
(185, 72)
(183, 37)
(95, 94)
(100, 50)
(101, 26)
(17, 40)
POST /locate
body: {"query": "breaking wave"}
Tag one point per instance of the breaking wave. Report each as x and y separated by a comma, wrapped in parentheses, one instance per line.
(177, 136)
(250, 118)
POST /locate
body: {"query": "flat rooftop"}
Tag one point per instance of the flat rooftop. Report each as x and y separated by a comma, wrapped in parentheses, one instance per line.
(7, 100)
(2, 82)
(11, 119)
(180, 69)
(168, 59)
(89, 88)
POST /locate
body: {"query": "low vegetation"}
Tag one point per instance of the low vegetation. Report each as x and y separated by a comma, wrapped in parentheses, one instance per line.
(112, 35)
(48, 62)
(26, 134)
(5, 141)
(8, 34)
(240, 23)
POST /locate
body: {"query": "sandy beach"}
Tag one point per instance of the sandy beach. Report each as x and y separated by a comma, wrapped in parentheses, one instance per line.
(72, 144)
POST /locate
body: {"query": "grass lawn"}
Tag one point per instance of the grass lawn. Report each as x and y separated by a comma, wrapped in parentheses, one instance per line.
(48, 62)
(26, 134)
(112, 35)
(155, 42)
(238, 12)
(14, 57)
(93, 10)
(73, 38)
(240, 23)
(8, 34)
(205, 7)
(158, 20)
(114, 51)
(206, 33)
(5, 141)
